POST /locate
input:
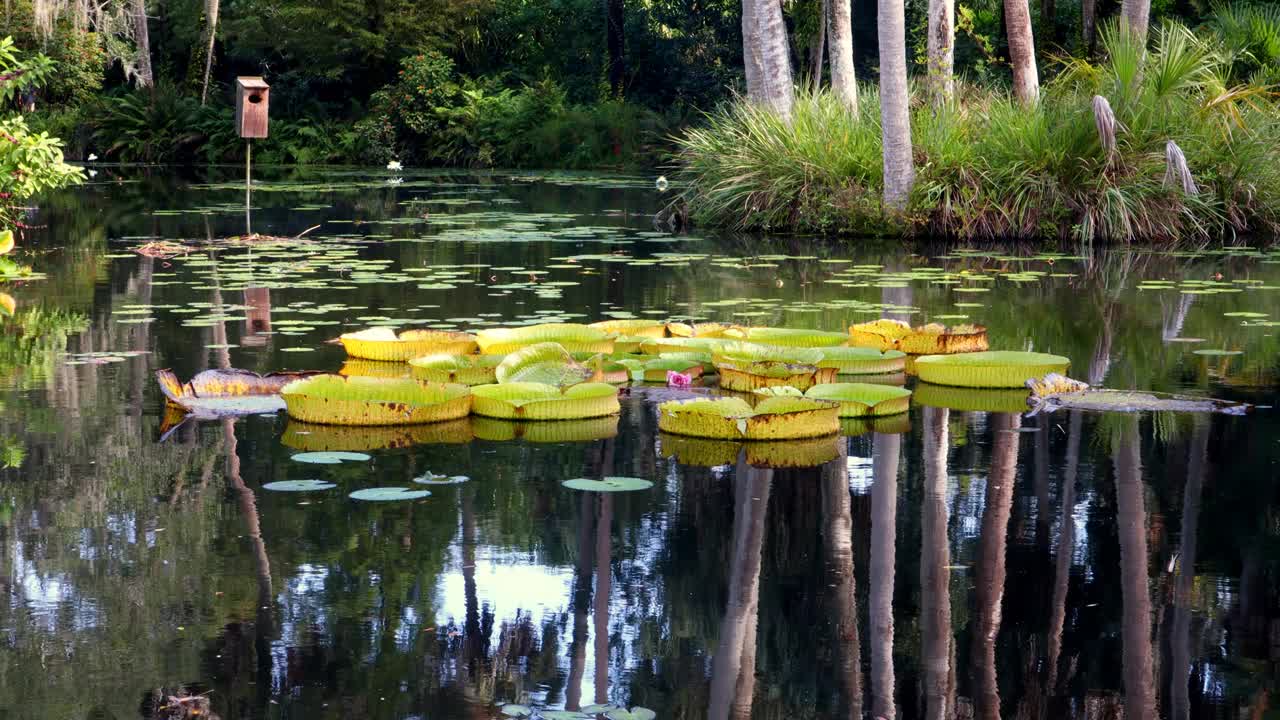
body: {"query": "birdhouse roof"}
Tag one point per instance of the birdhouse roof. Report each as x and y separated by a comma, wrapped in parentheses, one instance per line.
(252, 83)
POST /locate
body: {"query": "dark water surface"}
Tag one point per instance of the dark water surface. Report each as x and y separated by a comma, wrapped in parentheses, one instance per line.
(975, 564)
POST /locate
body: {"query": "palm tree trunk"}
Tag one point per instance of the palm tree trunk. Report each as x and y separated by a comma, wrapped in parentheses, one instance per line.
(1131, 517)
(895, 114)
(815, 75)
(751, 499)
(142, 36)
(766, 56)
(838, 538)
(1049, 19)
(1089, 23)
(616, 39)
(1022, 51)
(991, 562)
(885, 453)
(935, 572)
(1137, 15)
(942, 51)
(840, 52)
(213, 6)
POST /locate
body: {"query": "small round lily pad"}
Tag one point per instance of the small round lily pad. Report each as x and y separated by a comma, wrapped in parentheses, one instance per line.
(513, 710)
(298, 485)
(1217, 353)
(608, 484)
(433, 479)
(386, 494)
(329, 458)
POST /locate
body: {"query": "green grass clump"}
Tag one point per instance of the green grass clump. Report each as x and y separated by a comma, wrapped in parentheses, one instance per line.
(988, 168)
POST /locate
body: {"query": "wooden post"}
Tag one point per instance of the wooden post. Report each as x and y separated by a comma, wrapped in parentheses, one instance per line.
(248, 187)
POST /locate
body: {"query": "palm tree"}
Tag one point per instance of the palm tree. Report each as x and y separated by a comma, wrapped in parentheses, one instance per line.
(766, 56)
(942, 55)
(1089, 23)
(142, 37)
(1022, 51)
(211, 14)
(895, 115)
(1137, 15)
(840, 52)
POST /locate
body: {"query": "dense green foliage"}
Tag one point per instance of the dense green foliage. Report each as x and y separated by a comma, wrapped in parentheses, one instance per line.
(990, 168)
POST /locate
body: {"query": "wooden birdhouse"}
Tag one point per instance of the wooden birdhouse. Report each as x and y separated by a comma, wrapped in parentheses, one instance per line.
(251, 107)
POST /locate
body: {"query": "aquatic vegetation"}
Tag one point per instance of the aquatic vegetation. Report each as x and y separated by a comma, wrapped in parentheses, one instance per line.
(376, 369)
(775, 418)
(544, 363)
(573, 337)
(382, 343)
(938, 339)
(338, 400)
(856, 399)
(463, 369)
(862, 360)
(537, 401)
(608, 484)
(389, 494)
(991, 369)
(786, 337)
(658, 370)
(1053, 392)
(226, 393)
(746, 366)
(330, 457)
(298, 486)
(632, 328)
(882, 334)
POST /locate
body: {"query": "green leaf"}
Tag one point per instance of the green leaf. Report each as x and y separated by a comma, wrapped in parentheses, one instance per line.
(329, 458)
(386, 494)
(298, 485)
(608, 484)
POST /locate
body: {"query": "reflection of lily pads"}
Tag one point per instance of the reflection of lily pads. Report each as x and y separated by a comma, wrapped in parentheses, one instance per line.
(971, 399)
(608, 484)
(387, 494)
(329, 458)
(316, 437)
(635, 713)
(298, 485)
(545, 431)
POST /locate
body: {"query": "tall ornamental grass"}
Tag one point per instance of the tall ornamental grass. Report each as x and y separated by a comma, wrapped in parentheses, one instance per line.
(1101, 157)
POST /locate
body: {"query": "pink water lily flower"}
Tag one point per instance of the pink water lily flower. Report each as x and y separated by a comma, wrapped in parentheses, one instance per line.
(678, 380)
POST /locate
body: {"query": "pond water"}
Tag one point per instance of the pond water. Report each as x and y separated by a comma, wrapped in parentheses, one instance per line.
(955, 563)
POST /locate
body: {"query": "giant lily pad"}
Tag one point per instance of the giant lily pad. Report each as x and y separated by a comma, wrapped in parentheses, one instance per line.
(546, 363)
(573, 337)
(215, 394)
(463, 369)
(863, 399)
(937, 339)
(862, 361)
(382, 343)
(536, 401)
(787, 337)
(608, 484)
(992, 369)
(882, 334)
(775, 418)
(338, 400)
(744, 367)
(388, 494)
(637, 328)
